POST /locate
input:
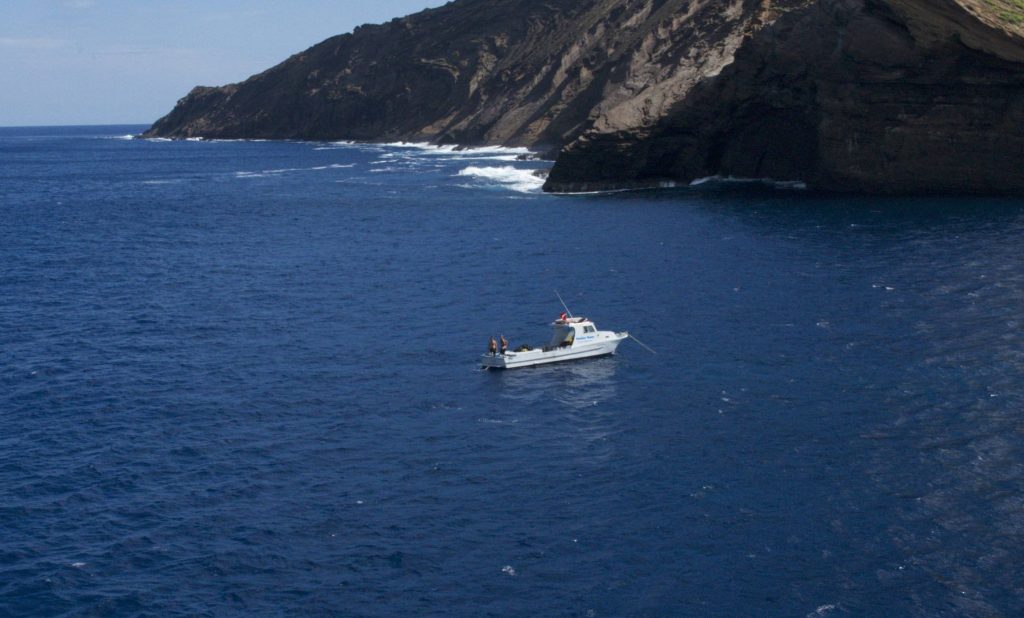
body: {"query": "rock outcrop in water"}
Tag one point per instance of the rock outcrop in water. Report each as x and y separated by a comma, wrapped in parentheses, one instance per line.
(858, 95)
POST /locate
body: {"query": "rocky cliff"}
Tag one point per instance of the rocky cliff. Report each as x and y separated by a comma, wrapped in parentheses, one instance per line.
(860, 95)
(514, 72)
(903, 96)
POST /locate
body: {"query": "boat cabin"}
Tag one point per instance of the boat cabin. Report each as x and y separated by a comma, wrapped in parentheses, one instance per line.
(570, 330)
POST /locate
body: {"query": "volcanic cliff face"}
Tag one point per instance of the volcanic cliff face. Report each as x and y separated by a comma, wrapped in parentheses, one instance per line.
(868, 95)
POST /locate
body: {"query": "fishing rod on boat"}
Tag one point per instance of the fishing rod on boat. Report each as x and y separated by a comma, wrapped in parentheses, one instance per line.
(645, 346)
(564, 306)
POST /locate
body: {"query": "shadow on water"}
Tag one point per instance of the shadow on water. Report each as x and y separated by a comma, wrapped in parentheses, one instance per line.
(576, 385)
(761, 204)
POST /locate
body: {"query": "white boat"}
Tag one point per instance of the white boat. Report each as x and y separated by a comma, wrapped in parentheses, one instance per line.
(573, 339)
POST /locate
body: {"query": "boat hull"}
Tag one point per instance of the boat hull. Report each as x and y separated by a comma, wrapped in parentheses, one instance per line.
(531, 358)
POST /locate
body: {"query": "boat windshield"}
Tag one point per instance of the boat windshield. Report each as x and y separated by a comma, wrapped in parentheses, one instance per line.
(563, 336)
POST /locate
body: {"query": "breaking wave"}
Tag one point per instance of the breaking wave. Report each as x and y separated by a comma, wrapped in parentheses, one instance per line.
(506, 177)
(458, 151)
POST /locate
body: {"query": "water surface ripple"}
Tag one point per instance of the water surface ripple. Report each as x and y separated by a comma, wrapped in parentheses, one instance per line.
(239, 378)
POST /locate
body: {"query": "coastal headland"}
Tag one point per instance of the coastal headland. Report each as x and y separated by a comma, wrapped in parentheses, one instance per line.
(867, 96)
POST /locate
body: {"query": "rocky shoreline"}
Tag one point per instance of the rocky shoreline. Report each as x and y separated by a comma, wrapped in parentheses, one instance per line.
(870, 96)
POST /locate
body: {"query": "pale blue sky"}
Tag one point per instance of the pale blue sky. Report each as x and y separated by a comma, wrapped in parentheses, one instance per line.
(124, 61)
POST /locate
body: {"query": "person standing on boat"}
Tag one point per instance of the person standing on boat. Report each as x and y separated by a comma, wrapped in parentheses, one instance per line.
(504, 345)
(492, 347)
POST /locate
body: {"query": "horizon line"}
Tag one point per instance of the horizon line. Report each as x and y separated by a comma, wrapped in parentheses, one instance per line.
(61, 126)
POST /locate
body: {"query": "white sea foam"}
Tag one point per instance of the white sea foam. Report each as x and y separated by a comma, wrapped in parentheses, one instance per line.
(778, 184)
(458, 151)
(416, 150)
(497, 421)
(333, 166)
(508, 177)
(608, 191)
(336, 145)
(285, 170)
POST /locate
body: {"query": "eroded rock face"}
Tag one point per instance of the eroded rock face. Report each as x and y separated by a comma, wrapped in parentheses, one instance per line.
(859, 95)
(514, 72)
(846, 95)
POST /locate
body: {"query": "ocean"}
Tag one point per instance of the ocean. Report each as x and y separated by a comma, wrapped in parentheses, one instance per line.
(242, 378)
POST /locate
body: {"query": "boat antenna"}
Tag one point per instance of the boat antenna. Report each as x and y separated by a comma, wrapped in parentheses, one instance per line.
(566, 307)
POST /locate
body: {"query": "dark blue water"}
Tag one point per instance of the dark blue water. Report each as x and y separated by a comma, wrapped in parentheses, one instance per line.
(241, 378)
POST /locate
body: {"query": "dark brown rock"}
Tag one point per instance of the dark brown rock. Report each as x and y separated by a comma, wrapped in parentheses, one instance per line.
(844, 95)
(853, 95)
(513, 72)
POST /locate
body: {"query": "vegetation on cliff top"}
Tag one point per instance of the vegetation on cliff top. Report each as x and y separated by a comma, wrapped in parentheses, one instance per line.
(1010, 11)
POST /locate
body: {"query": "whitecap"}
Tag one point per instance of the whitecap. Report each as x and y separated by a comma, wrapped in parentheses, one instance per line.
(285, 170)
(508, 177)
(333, 166)
(336, 145)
